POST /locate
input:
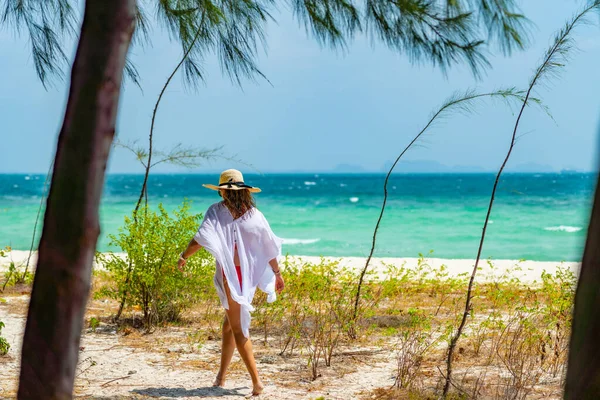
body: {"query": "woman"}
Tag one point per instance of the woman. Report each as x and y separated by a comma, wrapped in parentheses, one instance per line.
(245, 248)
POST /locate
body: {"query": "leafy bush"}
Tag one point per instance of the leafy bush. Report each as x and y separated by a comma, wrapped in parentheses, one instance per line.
(4, 345)
(146, 275)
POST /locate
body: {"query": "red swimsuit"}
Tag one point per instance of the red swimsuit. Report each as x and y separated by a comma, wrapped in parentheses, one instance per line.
(238, 269)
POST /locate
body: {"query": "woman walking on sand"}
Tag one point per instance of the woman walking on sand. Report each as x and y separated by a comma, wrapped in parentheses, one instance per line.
(245, 248)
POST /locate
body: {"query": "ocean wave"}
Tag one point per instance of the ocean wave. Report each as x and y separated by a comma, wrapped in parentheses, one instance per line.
(563, 228)
(308, 183)
(300, 241)
(354, 199)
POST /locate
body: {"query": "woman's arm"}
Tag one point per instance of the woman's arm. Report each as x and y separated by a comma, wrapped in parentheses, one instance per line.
(275, 266)
(191, 248)
(279, 284)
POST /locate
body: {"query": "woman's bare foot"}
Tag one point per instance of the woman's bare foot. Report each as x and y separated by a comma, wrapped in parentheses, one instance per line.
(219, 381)
(257, 389)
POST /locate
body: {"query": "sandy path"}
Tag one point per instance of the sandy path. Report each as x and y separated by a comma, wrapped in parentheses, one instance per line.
(165, 365)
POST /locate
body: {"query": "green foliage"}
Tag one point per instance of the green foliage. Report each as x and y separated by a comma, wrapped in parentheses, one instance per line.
(13, 276)
(147, 272)
(46, 23)
(5, 251)
(94, 323)
(4, 345)
(444, 33)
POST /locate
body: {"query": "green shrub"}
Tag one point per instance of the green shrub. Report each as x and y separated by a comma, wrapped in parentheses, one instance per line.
(4, 346)
(94, 323)
(146, 275)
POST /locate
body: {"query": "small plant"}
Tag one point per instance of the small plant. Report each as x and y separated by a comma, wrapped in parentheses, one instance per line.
(94, 323)
(4, 345)
(14, 277)
(267, 316)
(5, 251)
(520, 351)
(413, 343)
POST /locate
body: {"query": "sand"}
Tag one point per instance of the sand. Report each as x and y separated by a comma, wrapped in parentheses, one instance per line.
(166, 365)
(526, 271)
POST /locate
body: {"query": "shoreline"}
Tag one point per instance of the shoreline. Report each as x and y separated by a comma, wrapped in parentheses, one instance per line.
(524, 271)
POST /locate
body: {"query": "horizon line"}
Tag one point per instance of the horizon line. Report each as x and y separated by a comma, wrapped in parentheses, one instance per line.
(565, 171)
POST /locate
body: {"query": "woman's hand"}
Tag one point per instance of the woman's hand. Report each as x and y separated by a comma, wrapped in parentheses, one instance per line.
(279, 284)
(181, 263)
(192, 247)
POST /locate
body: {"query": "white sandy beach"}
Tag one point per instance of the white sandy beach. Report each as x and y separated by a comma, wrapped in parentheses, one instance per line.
(525, 271)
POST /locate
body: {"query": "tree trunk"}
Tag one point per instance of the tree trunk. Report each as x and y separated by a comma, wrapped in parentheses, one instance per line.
(71, 223)
(583, 372)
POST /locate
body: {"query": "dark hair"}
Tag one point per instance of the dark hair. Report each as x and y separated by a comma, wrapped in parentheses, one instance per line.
(238, 201)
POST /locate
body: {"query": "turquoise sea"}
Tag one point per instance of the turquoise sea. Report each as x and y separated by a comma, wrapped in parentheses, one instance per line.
(540, 217)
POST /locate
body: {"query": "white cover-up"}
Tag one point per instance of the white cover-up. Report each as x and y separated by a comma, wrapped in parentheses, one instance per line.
(256, 245)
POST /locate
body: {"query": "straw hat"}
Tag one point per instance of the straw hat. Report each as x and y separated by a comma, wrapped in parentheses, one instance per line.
(232, 179)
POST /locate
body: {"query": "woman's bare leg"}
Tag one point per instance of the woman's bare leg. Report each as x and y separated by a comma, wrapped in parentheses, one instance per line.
(243, 344)
(227, 349)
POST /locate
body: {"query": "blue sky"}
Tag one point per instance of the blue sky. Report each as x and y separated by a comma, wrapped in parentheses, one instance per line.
(325, 108)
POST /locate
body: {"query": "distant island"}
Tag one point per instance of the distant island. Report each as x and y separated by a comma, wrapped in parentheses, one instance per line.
(434, 167)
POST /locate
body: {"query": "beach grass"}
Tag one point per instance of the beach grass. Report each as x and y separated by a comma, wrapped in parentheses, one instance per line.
(515, 345)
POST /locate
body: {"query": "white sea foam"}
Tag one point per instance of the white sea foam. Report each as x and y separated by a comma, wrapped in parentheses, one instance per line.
(27, 178)
(300, 241)
(563, 228)
(354, 199)
(343, 185)
(308, 183)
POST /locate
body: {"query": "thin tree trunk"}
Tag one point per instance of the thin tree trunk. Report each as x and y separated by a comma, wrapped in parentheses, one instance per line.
(71, 223)
(583, 372)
